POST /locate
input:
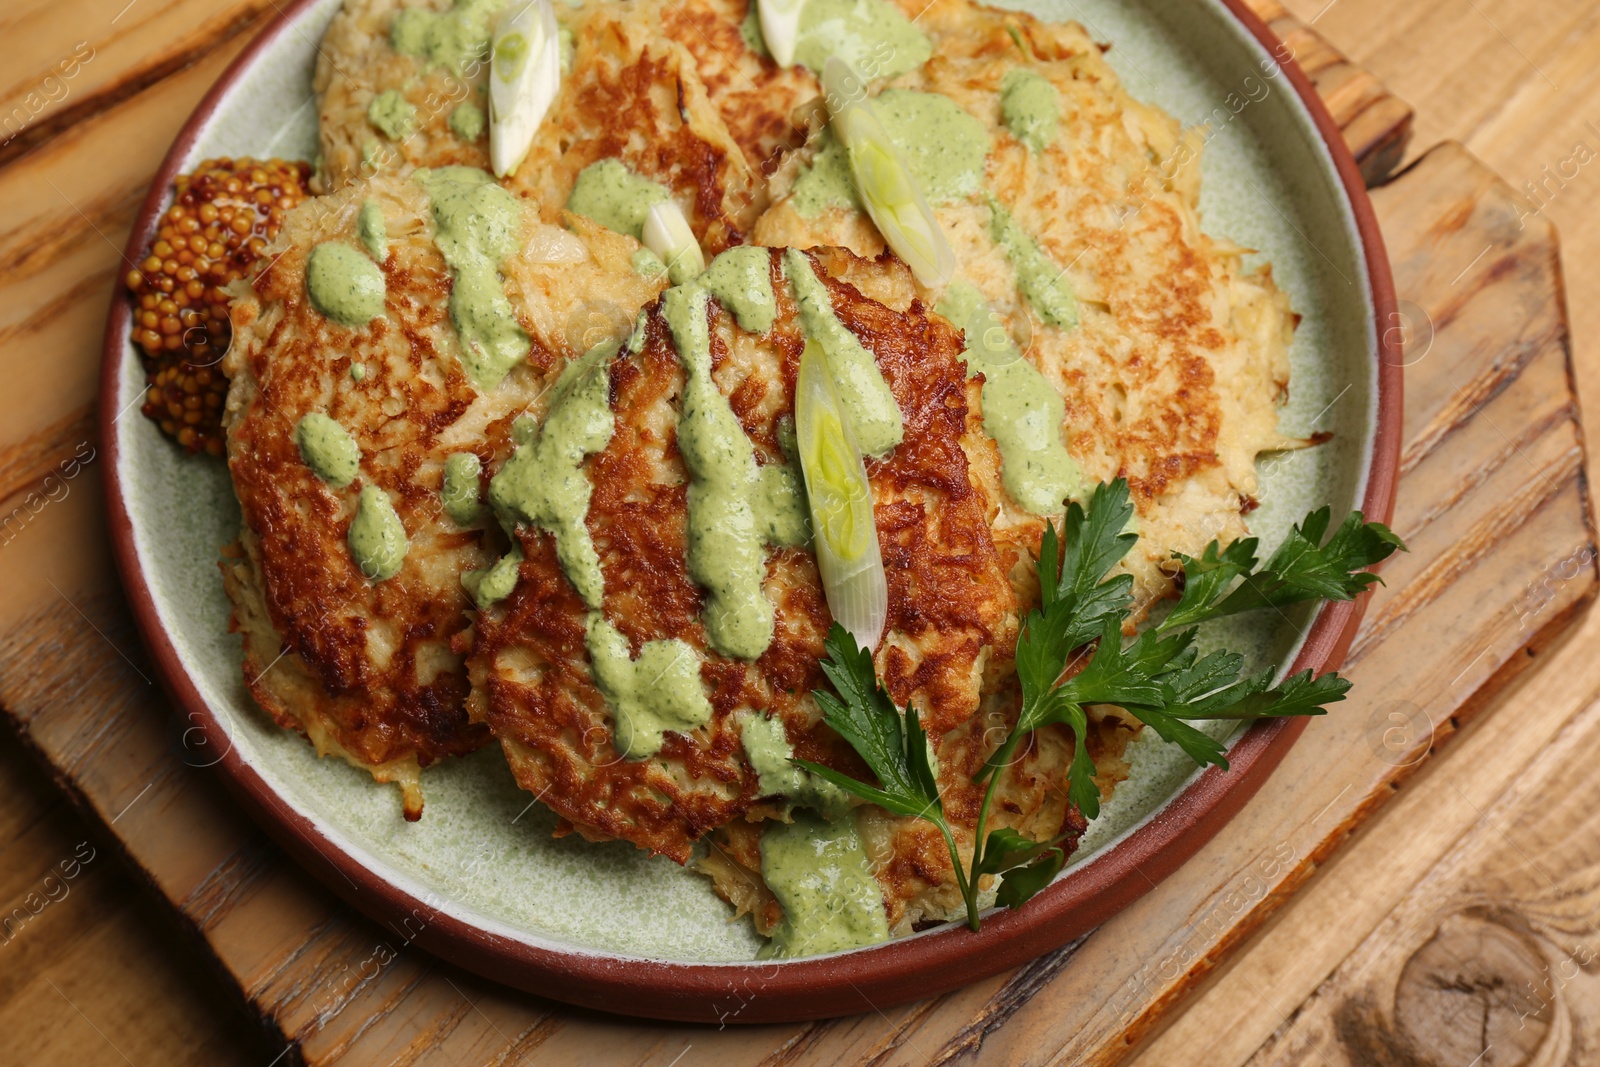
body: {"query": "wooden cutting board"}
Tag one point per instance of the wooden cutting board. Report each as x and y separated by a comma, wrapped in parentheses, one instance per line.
(1491, 502)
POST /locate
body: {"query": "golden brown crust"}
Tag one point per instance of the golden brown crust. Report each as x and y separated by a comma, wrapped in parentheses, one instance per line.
(732, 860)
(355, 63)
(631, 94)
(1172, 376)
(758, 99)
(374, 671)
(950, 601)
(379, 676)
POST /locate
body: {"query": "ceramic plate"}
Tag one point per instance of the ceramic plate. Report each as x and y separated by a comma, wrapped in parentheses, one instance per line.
(480, 880)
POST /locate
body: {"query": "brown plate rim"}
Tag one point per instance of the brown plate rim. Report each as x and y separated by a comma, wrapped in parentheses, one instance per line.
(925, 965)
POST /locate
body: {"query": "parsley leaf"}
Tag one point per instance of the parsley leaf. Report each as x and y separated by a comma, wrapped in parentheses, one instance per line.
(1006, 848)
(1300, 694)
(1124, 674)
(1081, 787)
(1197, 745)
(1071, 655)
(1076, 603)
(1021, 884)
(1025, 866)
(1096, 541)
(1205, 577)
(1302, 568)
(896, 749)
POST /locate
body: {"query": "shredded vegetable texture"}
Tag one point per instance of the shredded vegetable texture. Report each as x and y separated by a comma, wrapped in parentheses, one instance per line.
(892, 197)
(1072, 655)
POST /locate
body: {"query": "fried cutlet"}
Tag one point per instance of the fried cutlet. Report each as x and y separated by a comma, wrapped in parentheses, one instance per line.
(762, 103)
(369, 669)
(952, 619)
(628, 92)
(1174, 359)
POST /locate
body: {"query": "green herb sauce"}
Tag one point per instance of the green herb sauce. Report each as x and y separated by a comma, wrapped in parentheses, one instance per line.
(544, 482)
(328, 449)
(371, 230)
(874, 415)
(1021, 411)
(640, 334)
(615, 197)
(726, 538)
(766, 746)
(1039, 278)
(872, 35)
(494, 583)
(375, 154)
(457, 38)
(741, 280)
(818, 871)
(750, 30)
(377, 538)
(685, 266)
(658, 692)
(459, 493)
(467, 121)
(477, 225)
(393, 115)
(344, 285)
(944, 147)
(1030, 107)
(780, 505)
(647, 264)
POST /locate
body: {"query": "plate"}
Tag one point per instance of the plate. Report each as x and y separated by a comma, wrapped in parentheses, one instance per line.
(480, 881)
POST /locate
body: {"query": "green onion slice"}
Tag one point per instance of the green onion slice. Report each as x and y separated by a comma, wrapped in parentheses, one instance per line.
(893, 200)
(667, 234)
(780, 28)
(845, 532)
(524, 77)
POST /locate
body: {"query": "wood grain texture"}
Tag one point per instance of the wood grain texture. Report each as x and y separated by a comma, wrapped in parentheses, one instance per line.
(1486, 578)
(1492, 960)
(109, 51)
(1376, 123)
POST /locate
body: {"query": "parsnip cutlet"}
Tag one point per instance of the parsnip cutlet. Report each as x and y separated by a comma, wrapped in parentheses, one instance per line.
(381, 109)
(771, 109)
(670, 602)
(401, 83)
(1072, 210)
(358, 420)
(760, 101)
(633, 96)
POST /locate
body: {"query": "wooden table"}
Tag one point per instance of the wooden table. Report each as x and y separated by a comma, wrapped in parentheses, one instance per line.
(1497, 829)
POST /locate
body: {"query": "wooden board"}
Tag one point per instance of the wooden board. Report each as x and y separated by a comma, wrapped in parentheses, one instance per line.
(1492, 538)
(1376, 123)
(1493, 958)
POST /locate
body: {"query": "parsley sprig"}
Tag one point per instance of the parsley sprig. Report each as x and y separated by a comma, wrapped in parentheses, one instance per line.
(1072, 655)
